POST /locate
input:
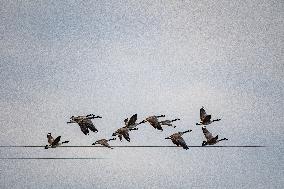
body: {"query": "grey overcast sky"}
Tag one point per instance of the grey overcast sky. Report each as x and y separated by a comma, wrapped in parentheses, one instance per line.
(116, 58)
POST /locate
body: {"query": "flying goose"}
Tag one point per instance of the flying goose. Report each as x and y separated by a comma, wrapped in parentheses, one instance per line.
(168, 122)
(178, 140)
(122, 132)
(131, 123)
(153, 120)
(204, 118)
(53, 143)
(104, 142)
(85, 122)
(209, 137)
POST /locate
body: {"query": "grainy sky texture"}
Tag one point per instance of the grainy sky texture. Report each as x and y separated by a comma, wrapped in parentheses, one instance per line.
(117, 58)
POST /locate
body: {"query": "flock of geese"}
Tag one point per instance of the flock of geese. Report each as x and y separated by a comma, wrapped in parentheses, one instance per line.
(86, 125)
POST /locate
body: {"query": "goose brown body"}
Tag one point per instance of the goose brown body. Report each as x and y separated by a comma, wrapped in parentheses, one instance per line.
(154, 122)
(122, 132)
(178, 140)
(53, 143)
(85, 123)
(210, 140)
(205, 119)
(131, 123)
(168, 122)
(104, 142)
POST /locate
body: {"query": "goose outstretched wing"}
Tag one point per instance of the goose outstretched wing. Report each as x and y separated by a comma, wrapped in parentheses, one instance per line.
(56, 141)
(90, 125)
(202, 114)
(181, 142)
(207, 134)
(206, 119)
(93, 128)
(84, 128)
(157, 125)
(86, 124)
(126, 136)
(132, 120)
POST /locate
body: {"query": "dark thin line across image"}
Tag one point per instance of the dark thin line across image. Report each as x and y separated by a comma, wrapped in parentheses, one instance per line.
(51, 158)
(140, 146)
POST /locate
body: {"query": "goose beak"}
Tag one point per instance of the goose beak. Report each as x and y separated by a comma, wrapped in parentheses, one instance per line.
(167, 138)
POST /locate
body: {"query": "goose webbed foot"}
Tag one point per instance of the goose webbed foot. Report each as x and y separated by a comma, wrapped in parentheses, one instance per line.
(204, 143)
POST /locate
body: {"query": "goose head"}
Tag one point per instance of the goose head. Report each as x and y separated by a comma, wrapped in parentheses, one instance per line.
(48, 136)
(95, 143)
(125, 121)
